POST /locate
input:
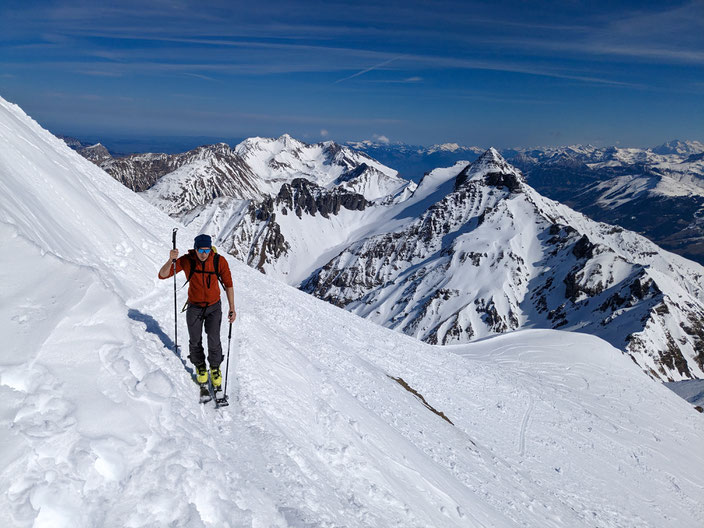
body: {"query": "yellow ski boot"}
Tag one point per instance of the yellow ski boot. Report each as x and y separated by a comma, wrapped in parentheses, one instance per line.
(216, 378)
(201, 375)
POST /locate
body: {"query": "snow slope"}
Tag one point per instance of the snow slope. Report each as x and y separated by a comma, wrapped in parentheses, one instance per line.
(100, 425)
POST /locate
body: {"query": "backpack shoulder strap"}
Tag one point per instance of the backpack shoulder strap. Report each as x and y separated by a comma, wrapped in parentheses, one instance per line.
(216, 266)
(192, 263)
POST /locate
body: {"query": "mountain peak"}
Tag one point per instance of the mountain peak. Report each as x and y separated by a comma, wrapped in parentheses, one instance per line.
(682, 148)
(445, 147)
(96, 153)
(206, 150)
(494, 169)
(290, 142)
(493, 155)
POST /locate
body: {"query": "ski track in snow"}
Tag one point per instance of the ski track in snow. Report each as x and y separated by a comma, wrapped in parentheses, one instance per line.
(524, 427)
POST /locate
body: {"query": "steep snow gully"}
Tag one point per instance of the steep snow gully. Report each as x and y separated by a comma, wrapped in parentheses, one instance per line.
(101, 425)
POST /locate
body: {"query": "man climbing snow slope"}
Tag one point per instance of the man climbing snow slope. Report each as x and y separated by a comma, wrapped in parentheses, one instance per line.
(204, 269)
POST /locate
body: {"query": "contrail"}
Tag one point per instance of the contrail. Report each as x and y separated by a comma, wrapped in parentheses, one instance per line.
(367, 70)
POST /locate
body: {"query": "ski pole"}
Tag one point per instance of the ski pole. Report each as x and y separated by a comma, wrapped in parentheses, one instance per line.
(173, 261)
(227, 363)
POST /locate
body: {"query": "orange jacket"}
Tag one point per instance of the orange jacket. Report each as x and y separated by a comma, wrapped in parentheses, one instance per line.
(203, 288)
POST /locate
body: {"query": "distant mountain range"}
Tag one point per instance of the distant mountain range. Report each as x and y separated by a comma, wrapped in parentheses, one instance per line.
(413, 161)
(657, 192)
(470, 251)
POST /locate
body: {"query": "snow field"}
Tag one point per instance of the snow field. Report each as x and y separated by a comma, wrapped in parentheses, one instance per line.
(509, 448)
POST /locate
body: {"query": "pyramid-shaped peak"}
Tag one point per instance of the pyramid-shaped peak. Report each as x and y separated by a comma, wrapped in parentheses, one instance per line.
(490, 161)
(491, 155)
(494, 170)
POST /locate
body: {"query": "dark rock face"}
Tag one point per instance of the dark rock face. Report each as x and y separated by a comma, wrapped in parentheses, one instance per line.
(583, 248)
(139, 172)
(305, 197)
(672, 358)
(462, 177)
(260, 241)
(95, 153)
(72, 142)
(353, 173)
(499, 179)
(272, 246)
(695, 157)
(695, 328)
(494, 171)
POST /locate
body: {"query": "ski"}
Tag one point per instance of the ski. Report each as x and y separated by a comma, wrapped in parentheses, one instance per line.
(220, 398)
(205, 395)
(209, 393)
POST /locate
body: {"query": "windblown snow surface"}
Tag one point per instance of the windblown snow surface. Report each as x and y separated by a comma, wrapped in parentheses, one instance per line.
(101, 425)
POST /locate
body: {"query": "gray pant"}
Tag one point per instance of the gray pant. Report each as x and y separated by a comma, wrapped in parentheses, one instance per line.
(196, 317)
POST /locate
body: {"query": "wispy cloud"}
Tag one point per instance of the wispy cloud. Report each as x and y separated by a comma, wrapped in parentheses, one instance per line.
(392, 59)
(604, 48)
(100, 73)
(275, 57)
(667, 35)
(375, 67)
(199, 76)
(407, 80)
(294, 57)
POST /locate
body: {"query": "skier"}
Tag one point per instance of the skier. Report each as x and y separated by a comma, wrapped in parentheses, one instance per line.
(206, 268)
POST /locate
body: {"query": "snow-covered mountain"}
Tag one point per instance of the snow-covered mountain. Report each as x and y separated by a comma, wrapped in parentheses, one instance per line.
(311, 214)
(254, 168)
(204, 174)
(334, 421)
(246, 196)
(681, 148)
(657, 194)
(290, 235)
(96, 153)
(140, 171)
(476, 251)
(673, 151)
(279, 161)
(218, 165)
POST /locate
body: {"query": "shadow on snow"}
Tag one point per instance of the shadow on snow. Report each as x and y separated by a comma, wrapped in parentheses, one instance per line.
(153, 327)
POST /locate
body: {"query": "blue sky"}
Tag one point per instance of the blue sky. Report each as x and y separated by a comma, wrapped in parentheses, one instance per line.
(478, 73)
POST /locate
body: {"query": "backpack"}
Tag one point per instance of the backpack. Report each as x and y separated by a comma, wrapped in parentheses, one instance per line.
(216, 266)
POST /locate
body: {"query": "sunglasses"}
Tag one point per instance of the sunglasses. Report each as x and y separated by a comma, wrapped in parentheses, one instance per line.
(203, 250)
